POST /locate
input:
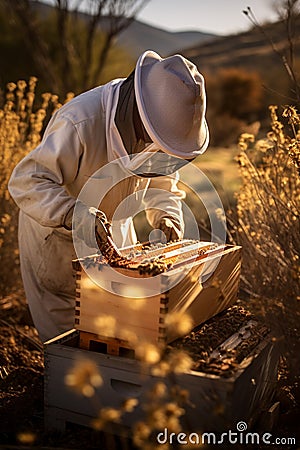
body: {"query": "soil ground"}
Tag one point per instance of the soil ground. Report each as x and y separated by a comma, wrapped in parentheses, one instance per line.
(21, 392)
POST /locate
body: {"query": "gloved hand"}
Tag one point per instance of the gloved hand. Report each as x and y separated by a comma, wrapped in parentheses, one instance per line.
(82, 224)
(92, 226)
(170, 228)
(104, 238)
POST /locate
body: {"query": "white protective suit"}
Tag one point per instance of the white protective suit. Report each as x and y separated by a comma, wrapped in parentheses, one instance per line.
(80, 138)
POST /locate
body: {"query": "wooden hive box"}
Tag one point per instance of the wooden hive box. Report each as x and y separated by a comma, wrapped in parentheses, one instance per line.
(200, 287)
(218, 402)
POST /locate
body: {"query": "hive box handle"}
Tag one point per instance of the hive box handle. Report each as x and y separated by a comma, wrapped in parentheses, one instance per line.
(126, 388)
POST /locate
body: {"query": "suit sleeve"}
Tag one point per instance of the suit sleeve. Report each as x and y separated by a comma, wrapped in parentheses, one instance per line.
(37, 182)
(163, 199)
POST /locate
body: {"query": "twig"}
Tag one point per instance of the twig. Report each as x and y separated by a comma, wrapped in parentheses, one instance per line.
(288, 66)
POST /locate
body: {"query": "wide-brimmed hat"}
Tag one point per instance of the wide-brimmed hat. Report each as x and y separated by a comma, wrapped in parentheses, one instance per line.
(171, 100)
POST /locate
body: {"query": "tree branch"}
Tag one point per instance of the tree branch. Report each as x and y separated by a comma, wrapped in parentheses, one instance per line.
(40, 52)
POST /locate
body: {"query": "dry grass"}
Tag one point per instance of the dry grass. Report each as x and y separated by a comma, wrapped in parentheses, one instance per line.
(22, 120)
(267, 224)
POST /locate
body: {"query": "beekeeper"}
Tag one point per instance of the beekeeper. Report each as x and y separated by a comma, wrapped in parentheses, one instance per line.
(158, 111)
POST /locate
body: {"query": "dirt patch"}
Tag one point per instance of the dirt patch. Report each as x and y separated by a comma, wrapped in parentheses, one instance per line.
(22, 389)
(21, 370)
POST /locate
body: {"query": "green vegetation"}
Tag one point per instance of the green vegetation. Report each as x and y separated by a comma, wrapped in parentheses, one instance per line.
(66, 51)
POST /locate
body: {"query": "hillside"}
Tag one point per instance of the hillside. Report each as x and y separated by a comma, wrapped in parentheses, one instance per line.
(140, 36)
(250, 49)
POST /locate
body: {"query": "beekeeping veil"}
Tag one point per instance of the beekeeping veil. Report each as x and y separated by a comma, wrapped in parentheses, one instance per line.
(161, 115)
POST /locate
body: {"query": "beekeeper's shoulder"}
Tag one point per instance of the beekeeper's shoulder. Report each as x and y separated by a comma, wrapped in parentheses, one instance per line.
(88, 105)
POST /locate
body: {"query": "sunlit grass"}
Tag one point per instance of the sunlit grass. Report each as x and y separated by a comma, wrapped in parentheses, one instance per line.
(23, 117)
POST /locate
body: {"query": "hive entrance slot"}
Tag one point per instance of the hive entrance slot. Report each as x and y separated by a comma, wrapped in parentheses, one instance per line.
(105, 345)
(96, 346)
(126, 352)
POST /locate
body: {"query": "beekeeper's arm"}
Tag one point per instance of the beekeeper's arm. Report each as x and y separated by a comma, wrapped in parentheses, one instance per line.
(37, 182)
(163, 206)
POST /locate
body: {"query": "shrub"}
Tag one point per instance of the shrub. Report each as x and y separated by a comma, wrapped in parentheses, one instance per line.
(267, 222)
(235, 100)
(22, 120)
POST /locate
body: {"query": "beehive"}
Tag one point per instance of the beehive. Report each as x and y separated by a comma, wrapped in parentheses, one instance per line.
(219, 398)
(218, 401)
(200, 283)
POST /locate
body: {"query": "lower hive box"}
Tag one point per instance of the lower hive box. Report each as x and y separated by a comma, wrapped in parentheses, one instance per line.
(232, 377)
(202, 281)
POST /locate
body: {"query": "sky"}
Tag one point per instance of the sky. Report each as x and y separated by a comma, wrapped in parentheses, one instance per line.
(215, 16)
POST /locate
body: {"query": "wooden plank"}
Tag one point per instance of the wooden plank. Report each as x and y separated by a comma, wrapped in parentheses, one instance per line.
(203, 301)
(269, 418)
(156, 251)
(139, 316)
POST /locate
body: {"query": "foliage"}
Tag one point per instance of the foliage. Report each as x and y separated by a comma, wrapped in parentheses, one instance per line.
(68, 48)
(289, 13)
(22, 120)
(11, 51)
(268, 208)
(267, 223)
(235, 100)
